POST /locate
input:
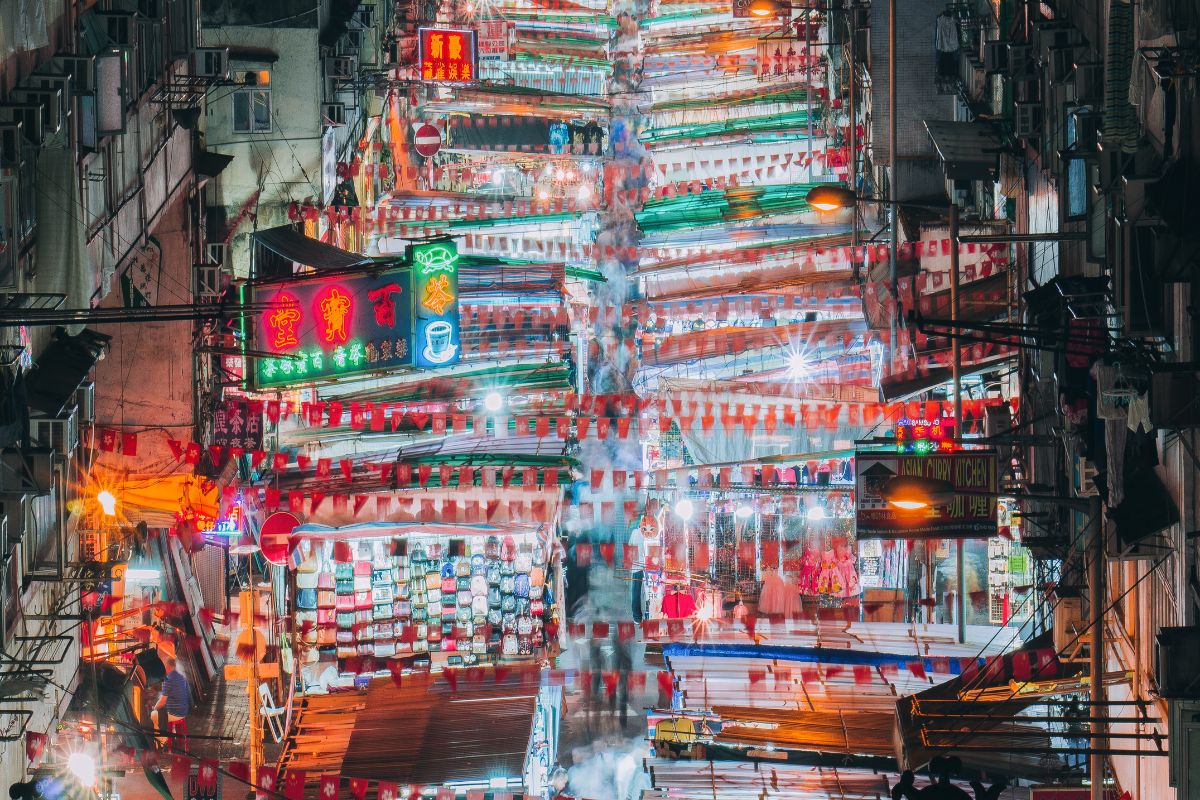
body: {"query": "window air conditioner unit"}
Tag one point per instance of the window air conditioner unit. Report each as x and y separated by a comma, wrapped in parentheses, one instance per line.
(59, 434)
(82, 70)
(350, 43)
(15, 508)
(12, 135)
(1051, 34)
(30, 117)
(85, 401)
(1060, 66)
(119, 27)
(340, 68)
(1020, 60)
(216, 252)
(1184, 740)
(333, 114)
(1085, 478)
(1072, 636)
(207, 278)
(995, 57)
(211, 62)
(53, 106)
(1089, 81)
(29, 471)
(1027, 121)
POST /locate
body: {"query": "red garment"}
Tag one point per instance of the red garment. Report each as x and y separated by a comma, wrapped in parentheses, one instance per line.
(677, 605)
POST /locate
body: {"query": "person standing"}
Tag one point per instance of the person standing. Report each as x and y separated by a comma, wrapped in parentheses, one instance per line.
(176, 699)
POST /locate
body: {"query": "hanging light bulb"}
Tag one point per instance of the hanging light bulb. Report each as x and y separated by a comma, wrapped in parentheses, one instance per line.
(684, 509)
(108, 502)
(493, 401)
(744, 511)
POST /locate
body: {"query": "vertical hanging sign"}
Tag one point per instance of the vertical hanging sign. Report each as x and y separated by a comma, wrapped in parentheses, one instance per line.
(493, 40)
(435, 304)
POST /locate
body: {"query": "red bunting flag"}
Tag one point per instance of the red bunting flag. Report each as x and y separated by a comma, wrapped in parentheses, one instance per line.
(293, 785)
(329, 786)
(358, 788)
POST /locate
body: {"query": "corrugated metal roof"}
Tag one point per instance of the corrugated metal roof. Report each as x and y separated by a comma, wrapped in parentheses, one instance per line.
(421, 732)
(293, 245)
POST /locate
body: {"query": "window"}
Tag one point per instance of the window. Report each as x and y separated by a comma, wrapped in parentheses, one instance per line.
(252, 111)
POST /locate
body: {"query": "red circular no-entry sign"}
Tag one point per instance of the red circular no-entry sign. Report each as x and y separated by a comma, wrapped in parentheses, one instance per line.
(274, 536)
(428, 140)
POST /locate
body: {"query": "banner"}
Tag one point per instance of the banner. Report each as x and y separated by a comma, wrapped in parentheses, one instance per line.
(968, 515)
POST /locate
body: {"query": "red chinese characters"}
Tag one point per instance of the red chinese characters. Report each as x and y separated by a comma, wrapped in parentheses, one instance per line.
(447, 56)
(384, 303)
(333, 306)
(283, 320)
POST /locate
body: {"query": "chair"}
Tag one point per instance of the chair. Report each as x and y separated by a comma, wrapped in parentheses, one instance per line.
(272, 715)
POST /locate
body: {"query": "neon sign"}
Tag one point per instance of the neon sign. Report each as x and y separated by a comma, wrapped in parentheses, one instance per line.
(334, 307)
(435, 307)
(283, 321)
(447, 55)
(319, 329)
(925, 436)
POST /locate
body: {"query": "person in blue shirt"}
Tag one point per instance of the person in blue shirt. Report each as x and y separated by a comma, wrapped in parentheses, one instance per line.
(176, 698)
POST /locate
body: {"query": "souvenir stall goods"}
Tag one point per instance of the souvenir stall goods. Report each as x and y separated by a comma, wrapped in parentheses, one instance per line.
(424, 601)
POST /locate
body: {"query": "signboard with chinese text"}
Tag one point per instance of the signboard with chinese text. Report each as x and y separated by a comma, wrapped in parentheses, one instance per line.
(435, 304)
(493, 39)
(966, 516)
(447, 55)
(326, 328)
(235, 426)
(925, 436)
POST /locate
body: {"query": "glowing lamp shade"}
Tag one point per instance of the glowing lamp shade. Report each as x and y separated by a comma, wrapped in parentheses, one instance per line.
(108, 502)
(684, 509)
(744, 512)
(830, 198)
(493, 401)
(83, 767)
(912, 493)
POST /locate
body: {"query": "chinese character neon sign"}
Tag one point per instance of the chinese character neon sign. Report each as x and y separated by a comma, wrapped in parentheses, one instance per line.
(447, 55)
(925, 436)
(283, 321)
(334, 307)
(435, 307)
(317, 328)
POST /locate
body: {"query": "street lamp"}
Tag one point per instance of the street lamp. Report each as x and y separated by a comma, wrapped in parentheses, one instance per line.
(912, 492)
(830, 197)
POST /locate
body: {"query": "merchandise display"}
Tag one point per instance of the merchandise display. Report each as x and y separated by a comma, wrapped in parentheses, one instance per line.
(425, 601)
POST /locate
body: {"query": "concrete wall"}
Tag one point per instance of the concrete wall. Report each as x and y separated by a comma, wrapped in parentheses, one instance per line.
(285, 162)
(145, 384)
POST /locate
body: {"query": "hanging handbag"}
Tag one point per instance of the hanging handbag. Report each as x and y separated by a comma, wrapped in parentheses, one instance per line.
(449, 585)
(523, 562)
(306, 599)
(524, 625)
(362, 583)
(362, 568)
(462, 568)
(362, 599)
(521, 585)
(326, 598)
(509, 645)
(382, 594)
(325, 580)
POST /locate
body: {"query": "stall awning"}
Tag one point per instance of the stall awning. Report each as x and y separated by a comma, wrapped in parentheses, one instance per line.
(209, 164)
(969, 150)
(62, 368)
(291, 244)
(472, 735)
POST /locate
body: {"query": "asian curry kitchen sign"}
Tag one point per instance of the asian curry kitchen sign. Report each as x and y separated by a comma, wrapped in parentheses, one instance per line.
(971, 514)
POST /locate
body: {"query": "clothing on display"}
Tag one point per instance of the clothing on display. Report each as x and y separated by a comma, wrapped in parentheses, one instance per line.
(473, 607)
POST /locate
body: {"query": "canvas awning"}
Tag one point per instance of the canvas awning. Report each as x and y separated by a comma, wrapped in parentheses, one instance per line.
(969, 150)
(291, 244)
(422, 732)
(61, 369)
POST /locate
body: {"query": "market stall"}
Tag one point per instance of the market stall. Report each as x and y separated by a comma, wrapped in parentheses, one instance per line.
(379, 596)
